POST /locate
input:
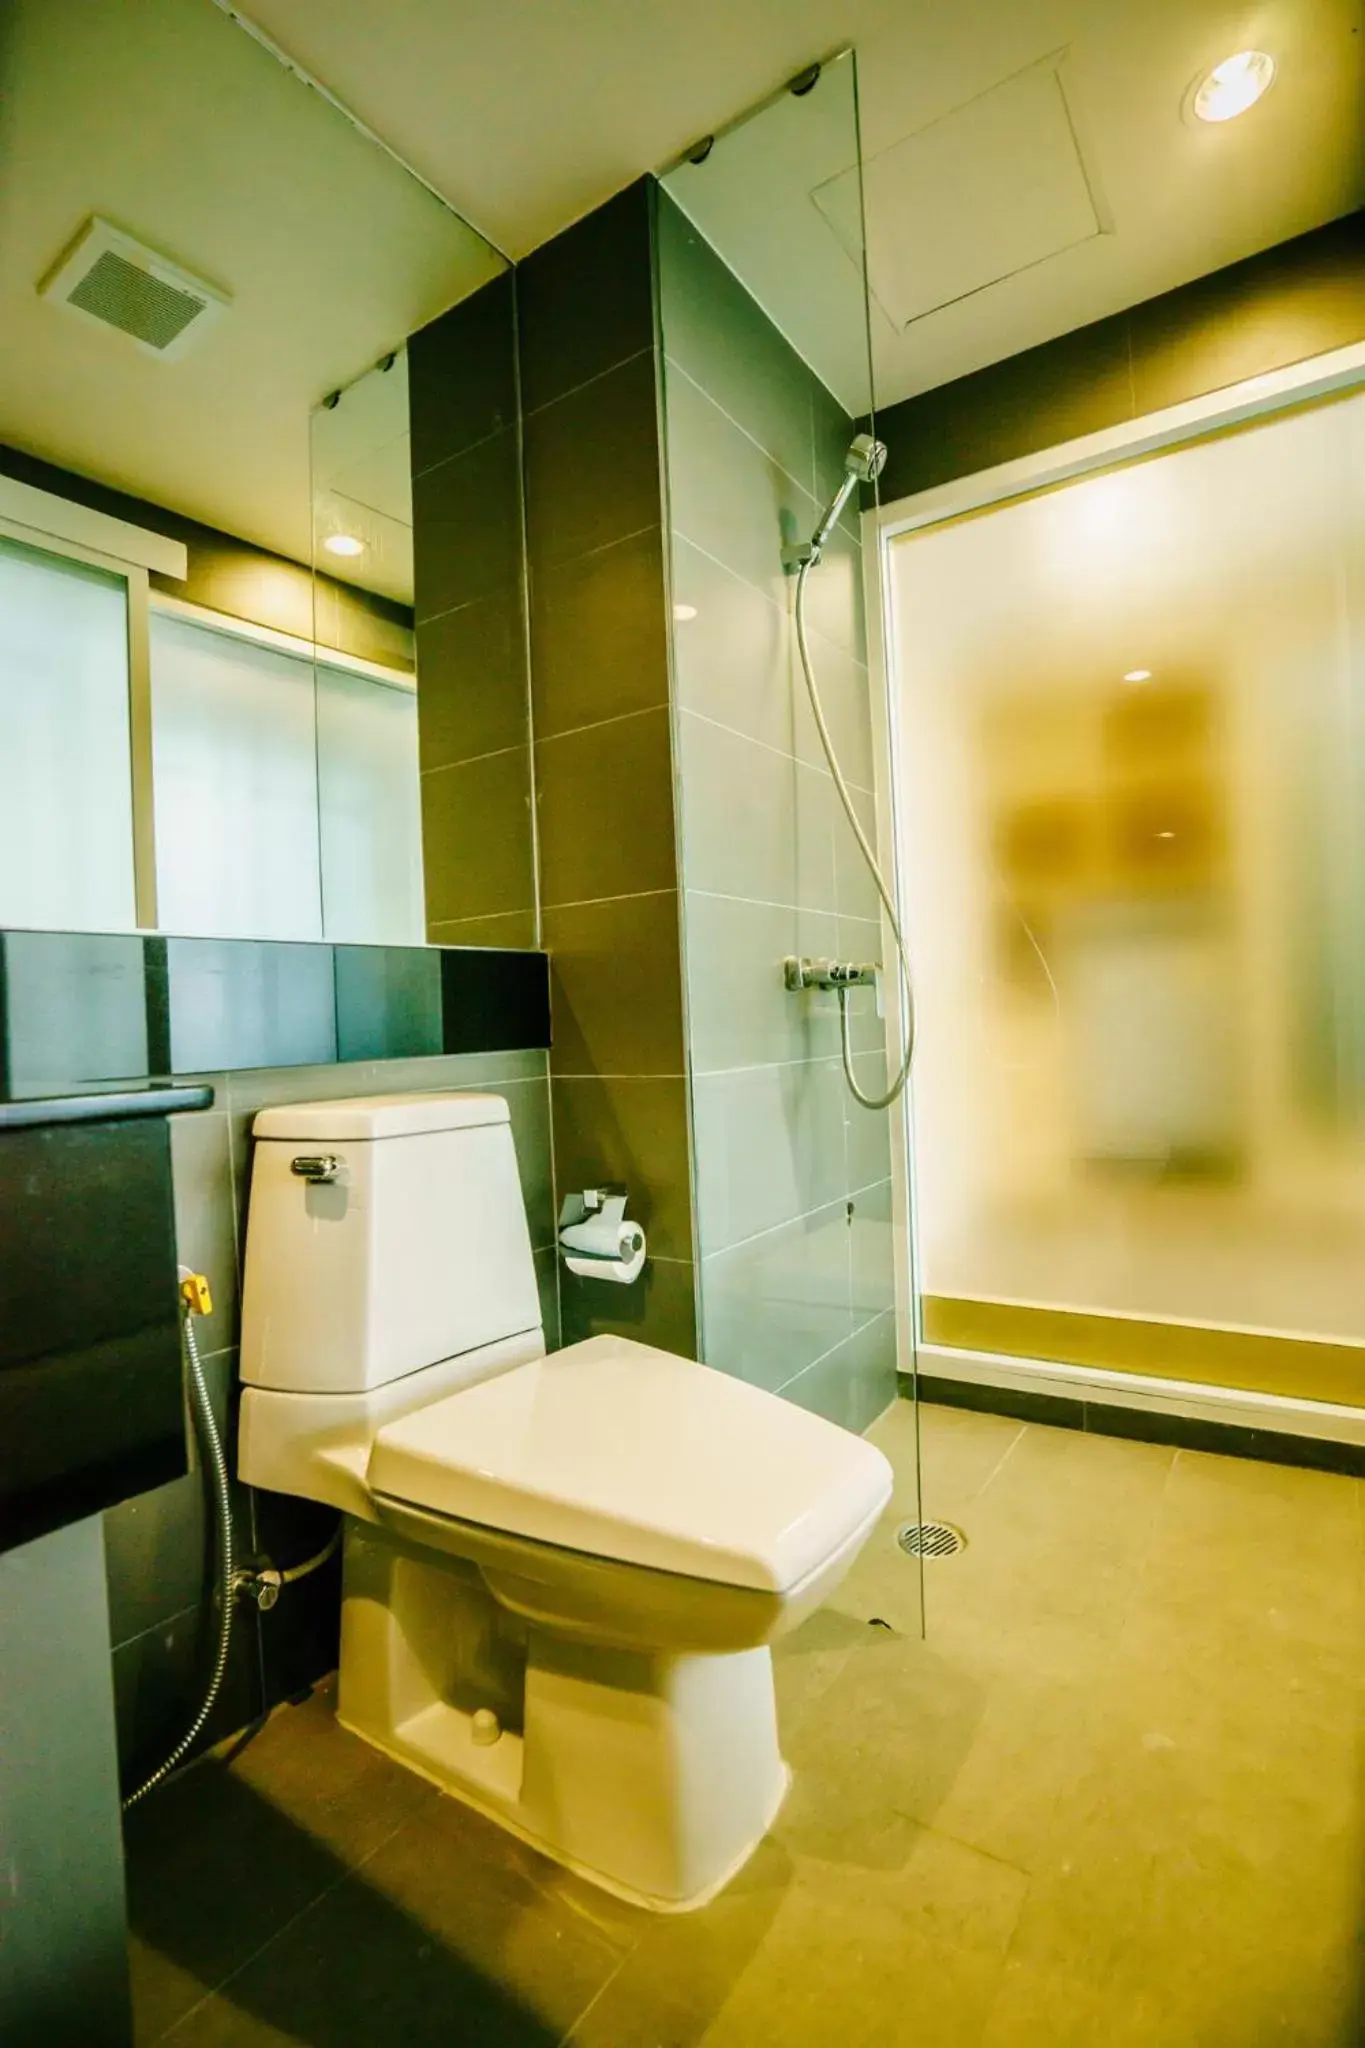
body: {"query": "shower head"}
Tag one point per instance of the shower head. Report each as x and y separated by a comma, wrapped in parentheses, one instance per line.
(863, 464)
(866, 458)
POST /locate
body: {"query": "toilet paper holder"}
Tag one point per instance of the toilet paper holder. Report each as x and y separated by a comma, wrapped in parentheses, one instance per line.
(592, 1223)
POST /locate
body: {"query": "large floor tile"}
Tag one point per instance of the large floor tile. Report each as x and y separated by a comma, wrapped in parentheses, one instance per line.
(1110, 1799)
(220, 1860)
(856, 1957)
(437, 1937)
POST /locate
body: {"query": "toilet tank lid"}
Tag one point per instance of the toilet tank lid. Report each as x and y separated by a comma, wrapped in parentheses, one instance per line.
(379, 1116)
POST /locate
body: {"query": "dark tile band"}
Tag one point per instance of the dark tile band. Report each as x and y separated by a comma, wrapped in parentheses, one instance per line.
(79, 1009)
(1140, 1425)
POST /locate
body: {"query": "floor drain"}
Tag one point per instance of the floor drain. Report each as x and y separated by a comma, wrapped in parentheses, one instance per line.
(930, 1539)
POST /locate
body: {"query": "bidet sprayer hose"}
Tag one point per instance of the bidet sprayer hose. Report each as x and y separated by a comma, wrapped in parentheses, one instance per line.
(864, 847)
(212, 1445)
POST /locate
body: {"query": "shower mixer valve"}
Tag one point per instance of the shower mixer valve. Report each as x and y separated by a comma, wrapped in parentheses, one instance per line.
(827, 974)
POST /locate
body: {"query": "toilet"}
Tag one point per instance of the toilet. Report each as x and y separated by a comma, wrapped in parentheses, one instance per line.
(562, 1571)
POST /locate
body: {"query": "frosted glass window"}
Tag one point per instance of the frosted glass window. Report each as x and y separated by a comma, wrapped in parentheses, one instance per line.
(1133, 737)
(66, 827)
(287, 802)
(371, 817)
(235, 774)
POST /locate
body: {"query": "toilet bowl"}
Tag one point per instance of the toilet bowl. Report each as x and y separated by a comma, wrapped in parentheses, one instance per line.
(562, 1571)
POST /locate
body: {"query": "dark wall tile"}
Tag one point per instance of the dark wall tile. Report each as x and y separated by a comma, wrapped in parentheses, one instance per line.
(592, 466)
(586, 299)
(720, 337)
(74, 1010)
(466, 527)
(388, 1002)
(158, 1679)
(1058, 1411)
(600, 635)
(659, 1308)
(91, 1408)
(154, 1555)
(301, 1636)
(205, 1225)
(1225, 1439)
(462, 375)
(246, 1003)
(1075, 385)
(494, 1001)
(64, 1956)
(1297, 300)
(605, 798)
(547, 1280)
(507, 928)
(476, 837)
(471, 679)
(616, 986)
(633, 1129)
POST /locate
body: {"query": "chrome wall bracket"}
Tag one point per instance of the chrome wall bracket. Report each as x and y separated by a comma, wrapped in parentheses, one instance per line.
(801, 973)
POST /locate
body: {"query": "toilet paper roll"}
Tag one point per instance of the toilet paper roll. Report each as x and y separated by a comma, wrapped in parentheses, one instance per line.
(622, 1269)
(602, 1237)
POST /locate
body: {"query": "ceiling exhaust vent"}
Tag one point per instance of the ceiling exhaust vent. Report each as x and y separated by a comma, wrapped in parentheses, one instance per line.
(109, 276)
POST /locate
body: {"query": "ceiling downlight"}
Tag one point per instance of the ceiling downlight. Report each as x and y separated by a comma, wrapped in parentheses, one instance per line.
(1233, 87)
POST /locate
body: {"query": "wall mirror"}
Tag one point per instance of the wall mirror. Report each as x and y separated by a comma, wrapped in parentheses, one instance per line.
(208, 273)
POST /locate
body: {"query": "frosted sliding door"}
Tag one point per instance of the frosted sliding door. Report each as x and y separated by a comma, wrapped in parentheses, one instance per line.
(1133, 736)
(66, 825)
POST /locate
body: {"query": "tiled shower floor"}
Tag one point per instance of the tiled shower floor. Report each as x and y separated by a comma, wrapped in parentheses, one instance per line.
(1112, 1800)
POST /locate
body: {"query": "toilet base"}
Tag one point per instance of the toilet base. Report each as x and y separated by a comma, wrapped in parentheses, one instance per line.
(654, 1776)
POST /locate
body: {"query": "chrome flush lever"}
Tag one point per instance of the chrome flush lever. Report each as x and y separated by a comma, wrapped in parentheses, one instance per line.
(320, 1168)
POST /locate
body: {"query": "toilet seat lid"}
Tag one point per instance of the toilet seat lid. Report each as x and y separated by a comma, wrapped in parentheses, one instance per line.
(616, 1449)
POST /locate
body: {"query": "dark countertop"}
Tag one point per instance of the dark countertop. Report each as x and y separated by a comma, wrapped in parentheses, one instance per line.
(110, 1105)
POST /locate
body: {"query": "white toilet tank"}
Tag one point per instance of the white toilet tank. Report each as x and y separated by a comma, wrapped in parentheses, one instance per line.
(415, 1251)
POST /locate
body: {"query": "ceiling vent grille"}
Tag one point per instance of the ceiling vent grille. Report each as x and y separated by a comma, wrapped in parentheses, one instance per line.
(107, 275)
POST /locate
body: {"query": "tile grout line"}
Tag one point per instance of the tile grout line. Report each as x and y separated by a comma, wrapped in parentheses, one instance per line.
(286, 1927)
(671, 362)
(472, 761)
(782, 753)
(766, 903)
(783, 611)
(789, 1222)
(566, 2039)
(626, 896)
(534, 411)
(857, 1331)
(1004, 1458)
(442, 461)
(569, 732)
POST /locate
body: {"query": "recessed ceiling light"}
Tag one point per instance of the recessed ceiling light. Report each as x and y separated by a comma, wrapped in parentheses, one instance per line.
(344, 544)
(684, 611)
(1138, 675)
(1233, 86)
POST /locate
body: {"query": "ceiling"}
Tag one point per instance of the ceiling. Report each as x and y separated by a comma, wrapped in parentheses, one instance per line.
(165, 117)
(1029, 167)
